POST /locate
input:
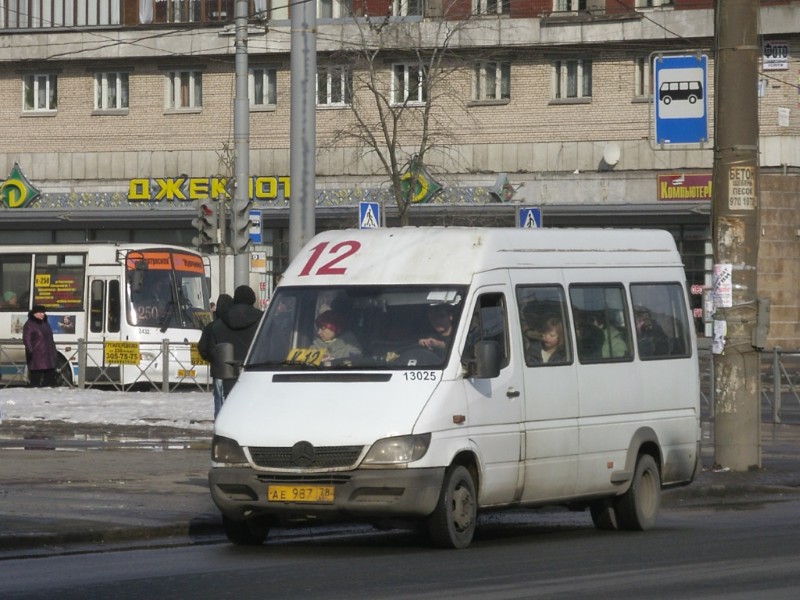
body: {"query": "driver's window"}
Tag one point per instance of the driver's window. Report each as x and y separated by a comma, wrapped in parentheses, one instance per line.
(489, 322)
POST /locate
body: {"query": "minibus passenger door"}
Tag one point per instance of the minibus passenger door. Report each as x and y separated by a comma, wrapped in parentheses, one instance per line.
(494, 404)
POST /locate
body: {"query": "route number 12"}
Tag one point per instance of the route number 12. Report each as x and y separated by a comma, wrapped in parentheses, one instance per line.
(332, 256)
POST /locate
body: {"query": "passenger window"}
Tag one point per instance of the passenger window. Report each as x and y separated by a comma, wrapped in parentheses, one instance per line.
(601, 322)
(489, 323)
(662, 322)
(96, 301)
(546, 336)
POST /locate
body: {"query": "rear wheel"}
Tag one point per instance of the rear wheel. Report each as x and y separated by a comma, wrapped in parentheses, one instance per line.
(251, 532)
(637, 509)
(603, 515)
(452, 523)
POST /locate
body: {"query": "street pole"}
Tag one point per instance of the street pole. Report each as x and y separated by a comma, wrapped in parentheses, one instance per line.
(241, 138)
(735, 214)
(303, 126)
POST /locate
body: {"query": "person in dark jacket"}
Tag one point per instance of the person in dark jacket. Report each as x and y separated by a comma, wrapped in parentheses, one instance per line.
(40, 349)
(236, 326)
(206, 349)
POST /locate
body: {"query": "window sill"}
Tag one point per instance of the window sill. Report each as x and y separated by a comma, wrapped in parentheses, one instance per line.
(39, 113)
(183, 111)
(264, 108)
(110, 112)
(332, 106)
(642, 99)
(566, 101)
(501, 102)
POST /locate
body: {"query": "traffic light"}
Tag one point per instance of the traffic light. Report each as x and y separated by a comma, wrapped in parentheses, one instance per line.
(240, 228)
(206, 224)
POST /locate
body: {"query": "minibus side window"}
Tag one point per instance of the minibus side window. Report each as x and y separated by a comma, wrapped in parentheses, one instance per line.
(661, 319)
(601, 323)
(543, 317)
(489, 322)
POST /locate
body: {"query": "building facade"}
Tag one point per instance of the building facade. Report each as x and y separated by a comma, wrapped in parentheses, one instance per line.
(119, 114)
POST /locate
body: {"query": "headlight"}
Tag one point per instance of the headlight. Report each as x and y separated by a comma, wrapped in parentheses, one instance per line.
(226, 450)
(398, 450)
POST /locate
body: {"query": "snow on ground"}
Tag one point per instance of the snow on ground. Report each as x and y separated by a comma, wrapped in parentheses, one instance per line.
(186, 410)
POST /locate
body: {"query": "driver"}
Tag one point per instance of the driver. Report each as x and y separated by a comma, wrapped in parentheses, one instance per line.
(440, 318)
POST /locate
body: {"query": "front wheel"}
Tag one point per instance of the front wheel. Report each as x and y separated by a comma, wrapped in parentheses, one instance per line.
(251, 532)
(637, 509)
(452, 524)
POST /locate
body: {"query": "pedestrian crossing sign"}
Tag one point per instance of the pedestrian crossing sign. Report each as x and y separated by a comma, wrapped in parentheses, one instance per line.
(369, 215)
(529, 218)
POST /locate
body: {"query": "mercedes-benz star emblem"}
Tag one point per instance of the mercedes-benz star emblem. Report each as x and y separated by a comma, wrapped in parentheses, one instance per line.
(303, 454)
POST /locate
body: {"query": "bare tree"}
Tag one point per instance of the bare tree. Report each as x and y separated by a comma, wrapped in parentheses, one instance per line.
(404, 83)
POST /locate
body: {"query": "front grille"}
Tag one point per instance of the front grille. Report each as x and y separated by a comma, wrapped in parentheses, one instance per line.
(325, 457)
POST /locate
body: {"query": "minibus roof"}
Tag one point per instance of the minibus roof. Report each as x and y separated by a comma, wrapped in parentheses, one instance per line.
(452, 255)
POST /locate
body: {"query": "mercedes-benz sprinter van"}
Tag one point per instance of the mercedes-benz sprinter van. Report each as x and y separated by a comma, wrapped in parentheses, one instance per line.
(423, 375)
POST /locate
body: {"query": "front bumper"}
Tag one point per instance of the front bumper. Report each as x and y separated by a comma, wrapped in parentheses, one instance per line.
(241, 492)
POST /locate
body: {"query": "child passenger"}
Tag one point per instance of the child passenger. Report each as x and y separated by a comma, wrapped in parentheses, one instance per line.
(333, 340)
(546, 344)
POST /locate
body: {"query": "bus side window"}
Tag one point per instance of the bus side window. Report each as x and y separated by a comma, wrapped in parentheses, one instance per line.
(114, 306)
(96, 297)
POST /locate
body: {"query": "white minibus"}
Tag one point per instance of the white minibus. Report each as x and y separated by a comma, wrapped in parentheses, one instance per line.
(422, 375)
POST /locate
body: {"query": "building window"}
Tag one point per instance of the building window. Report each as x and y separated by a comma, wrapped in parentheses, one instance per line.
(262, 87)
(110, 91)
(184, 89)
(409, 85)
(491, 7)
(491, 81)
(330, 9)
(39, 93)
(652, 3)
(572, 79)
(408, 8)
(568, 5)
(334, 86)
(642, 82)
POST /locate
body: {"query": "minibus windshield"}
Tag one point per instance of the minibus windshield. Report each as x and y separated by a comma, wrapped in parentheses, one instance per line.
(358, 327)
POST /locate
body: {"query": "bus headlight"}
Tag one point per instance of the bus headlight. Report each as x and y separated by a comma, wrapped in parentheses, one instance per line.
(227, 451)
(398, 450)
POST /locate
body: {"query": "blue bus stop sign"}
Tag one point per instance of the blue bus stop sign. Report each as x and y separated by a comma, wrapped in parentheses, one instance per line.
(680, 96)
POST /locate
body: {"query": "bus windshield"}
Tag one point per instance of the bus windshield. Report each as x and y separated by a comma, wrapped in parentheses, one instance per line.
(166, 289)
(363, 327)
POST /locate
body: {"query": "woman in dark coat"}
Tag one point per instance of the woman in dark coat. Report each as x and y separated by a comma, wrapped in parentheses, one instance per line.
(40, 349)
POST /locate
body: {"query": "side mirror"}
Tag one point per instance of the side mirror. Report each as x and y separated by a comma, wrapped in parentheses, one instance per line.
(223, 365)
(487, 360)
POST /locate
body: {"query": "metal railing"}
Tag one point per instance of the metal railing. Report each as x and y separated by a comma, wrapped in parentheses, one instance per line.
(780, 383)
(162, 366)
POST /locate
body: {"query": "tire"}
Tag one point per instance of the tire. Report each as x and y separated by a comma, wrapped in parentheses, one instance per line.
(453, 521)
(667, 100)
(692, 99)
(603, 514)
(637, 509)
(251, 532)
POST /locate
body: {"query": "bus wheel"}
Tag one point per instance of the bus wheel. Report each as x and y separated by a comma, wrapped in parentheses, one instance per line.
(452, 523)
(637, 509)
(63, 371)
(251, 532)
(603, 515)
